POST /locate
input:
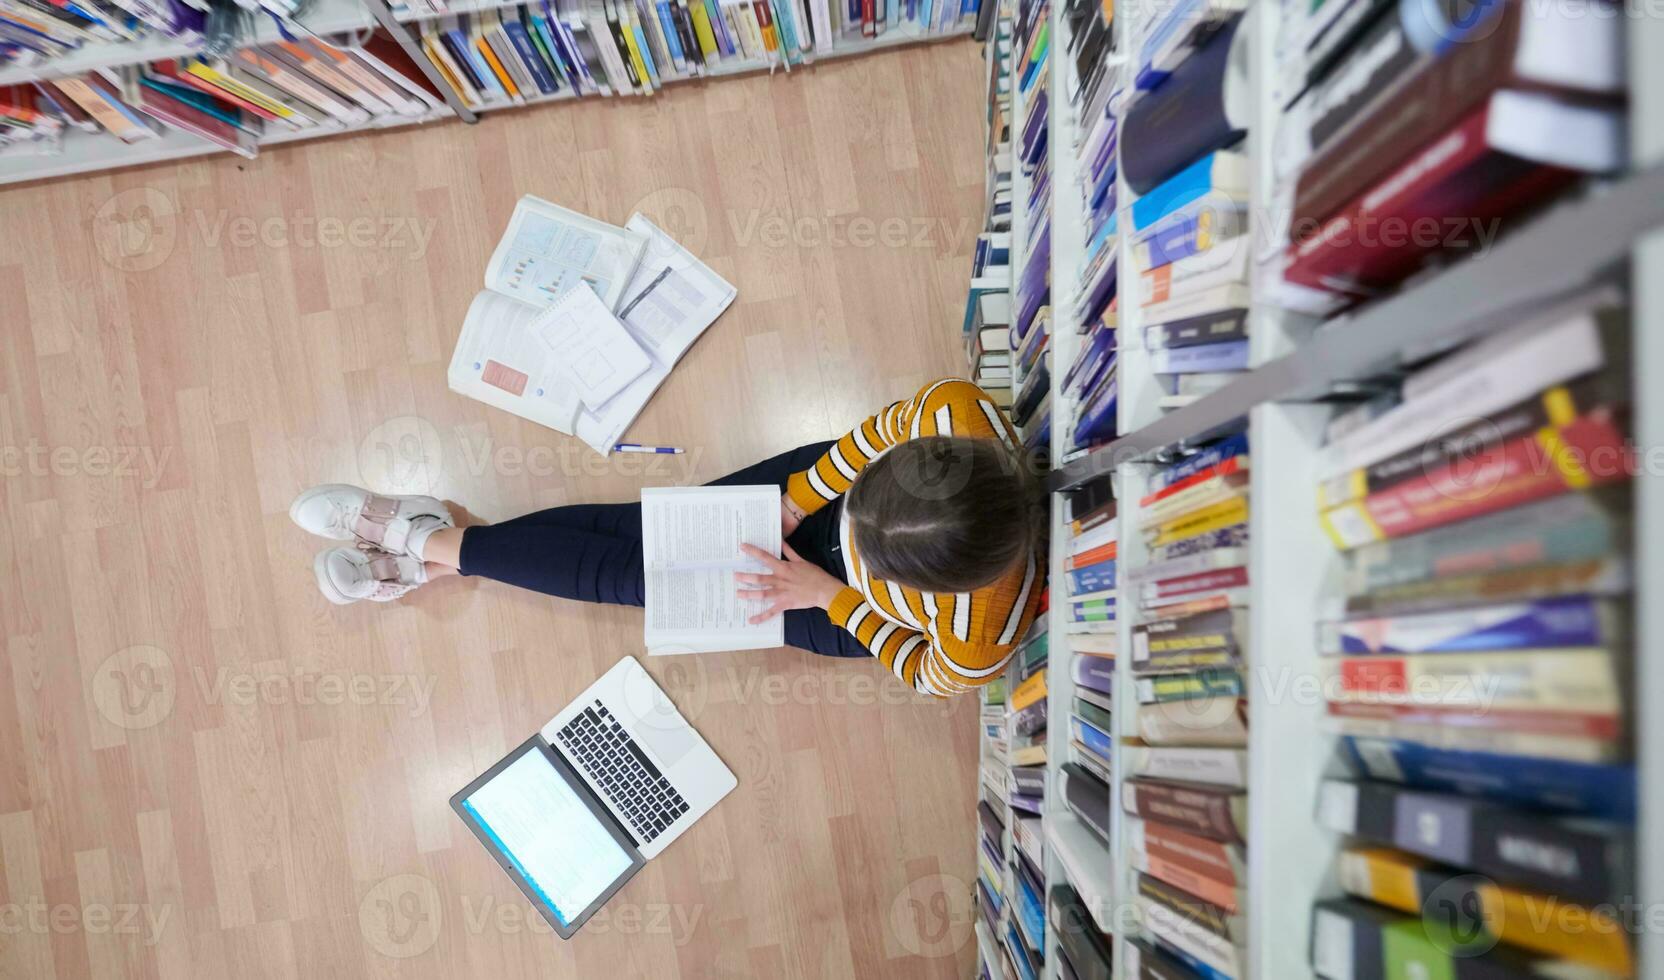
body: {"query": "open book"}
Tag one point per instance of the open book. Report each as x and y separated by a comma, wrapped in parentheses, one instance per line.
(665, 300)
(691, 539)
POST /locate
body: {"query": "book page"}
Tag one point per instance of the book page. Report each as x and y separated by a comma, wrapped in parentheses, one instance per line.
(501, 361)
(591, 347)
(672, 299)
(691, 539)
(549, 250)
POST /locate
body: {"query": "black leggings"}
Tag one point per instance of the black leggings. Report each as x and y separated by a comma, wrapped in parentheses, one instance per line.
(592, 553)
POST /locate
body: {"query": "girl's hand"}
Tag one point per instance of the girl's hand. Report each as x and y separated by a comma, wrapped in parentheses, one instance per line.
(789, 583)
(790, 516)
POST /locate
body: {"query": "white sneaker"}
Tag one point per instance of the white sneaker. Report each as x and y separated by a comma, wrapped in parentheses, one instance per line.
(346, 575)
(347, 513)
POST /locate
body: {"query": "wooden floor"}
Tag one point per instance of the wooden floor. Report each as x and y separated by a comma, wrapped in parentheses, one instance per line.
(208, 771)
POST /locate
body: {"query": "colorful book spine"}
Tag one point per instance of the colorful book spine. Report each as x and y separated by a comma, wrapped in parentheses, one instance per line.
(1606, 791)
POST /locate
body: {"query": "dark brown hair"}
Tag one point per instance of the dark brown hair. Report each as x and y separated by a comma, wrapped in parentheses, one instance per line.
(945, 513)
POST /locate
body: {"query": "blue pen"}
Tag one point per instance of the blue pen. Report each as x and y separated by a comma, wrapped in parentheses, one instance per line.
(630, 447)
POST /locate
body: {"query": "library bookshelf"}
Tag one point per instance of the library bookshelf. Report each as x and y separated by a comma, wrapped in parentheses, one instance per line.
(1608, 231)
(90, 153)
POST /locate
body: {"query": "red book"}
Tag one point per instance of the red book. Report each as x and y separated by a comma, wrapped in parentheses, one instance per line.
(1222, 468)
(1209, 581)
(1102, 553)
(1588, 451)
(1566, 723)
(192, 120)
(170, 70)
(1447, 196)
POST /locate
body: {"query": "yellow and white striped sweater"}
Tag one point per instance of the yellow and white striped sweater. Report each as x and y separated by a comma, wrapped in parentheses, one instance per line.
(939, 643)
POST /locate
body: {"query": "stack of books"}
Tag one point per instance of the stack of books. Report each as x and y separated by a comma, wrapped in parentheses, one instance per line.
(1092, 380)
(1086, 952)
(1031, 324)
(606, 47)
(987, 327)
(1411, 138)
(1183, 153)
(1012, 882)
(1186, 776)
(29, 121)
(37, 31)
(237, 102)
(1478, 659)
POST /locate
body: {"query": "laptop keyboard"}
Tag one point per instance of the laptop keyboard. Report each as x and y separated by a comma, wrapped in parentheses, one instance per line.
(612, 758)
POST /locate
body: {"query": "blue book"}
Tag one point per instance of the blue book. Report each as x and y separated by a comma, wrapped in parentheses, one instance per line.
(1183, 235)
(671, 39)
(1196, 966)
(1091, 735)
(1185, 118)
(1566, 621)
(1019, 952)
(1096, 673)
(1201, 359)
(1582, 788)
(1028, 906)
(527, 51)
(1092, 578)
(646, 52)
(486, 78)
(197, 99)
(1235, 445)
(1222, 171)
(551, 44)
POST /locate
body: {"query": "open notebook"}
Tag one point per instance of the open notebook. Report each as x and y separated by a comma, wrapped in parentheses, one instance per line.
(691, 539)
(517, 354)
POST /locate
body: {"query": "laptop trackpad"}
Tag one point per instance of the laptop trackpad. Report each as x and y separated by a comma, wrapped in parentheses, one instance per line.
(670, 745)
(655, 719)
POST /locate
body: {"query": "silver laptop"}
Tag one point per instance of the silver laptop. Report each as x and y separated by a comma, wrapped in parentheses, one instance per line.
(577, 809)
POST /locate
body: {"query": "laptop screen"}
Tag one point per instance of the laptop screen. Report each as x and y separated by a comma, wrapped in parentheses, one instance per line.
(562, 851)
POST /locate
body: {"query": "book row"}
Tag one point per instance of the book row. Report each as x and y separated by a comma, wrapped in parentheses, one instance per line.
(236, 103)
(540, 50)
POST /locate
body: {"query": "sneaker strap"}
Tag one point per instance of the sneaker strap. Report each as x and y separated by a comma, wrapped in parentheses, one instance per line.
(379, 524)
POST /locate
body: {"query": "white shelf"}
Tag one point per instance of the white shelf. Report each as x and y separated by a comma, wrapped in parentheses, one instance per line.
(92, 152)
(328, 17)
(1082, 859)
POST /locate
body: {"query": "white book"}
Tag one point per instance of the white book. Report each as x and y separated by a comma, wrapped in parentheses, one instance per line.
(1485, 377)
(1213, 766)
(1223, 264)
(546, 252)
(691, 539)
